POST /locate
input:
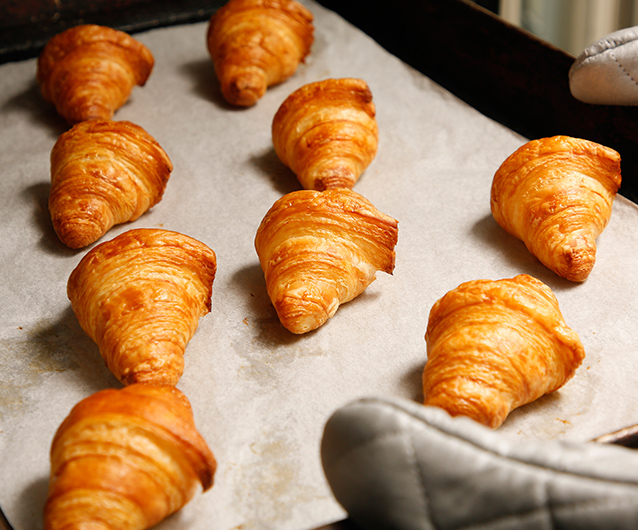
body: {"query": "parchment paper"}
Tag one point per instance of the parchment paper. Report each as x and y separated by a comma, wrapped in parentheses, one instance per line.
(261, 395)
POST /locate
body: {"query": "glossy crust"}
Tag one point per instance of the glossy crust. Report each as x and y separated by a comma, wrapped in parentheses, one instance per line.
(140, 297)
(322, 249)
(556, 194)
(327, 133)
(257, 43)
(103, 173)
(126, 459)
(89, 71)
(496, 345)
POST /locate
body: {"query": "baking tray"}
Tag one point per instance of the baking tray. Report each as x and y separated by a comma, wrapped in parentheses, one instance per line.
(501, 83)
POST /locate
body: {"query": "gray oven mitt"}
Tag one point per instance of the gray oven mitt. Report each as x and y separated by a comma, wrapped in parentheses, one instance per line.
(607, 71)
(397, 464)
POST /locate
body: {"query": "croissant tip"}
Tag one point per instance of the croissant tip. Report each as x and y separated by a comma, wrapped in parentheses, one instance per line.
(303, 309)
(76, 233)
(578, 275)
(339, 178)
(458, 404)
(300, 328)
(75, 241)
(245, 90)
(298, 323)
(577, 260)
(92, 112)
(151, 377)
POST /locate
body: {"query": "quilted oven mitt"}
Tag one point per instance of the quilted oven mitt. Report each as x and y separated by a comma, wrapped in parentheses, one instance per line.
(398, 464)
(606, 72)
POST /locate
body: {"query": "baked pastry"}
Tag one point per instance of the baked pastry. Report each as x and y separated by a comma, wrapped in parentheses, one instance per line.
(496, 345)
(322, 249)
(257, 43)
(556, 194)
(327, 133)
(103, 173)
(126, 459)
(140, 296)
(89, 71)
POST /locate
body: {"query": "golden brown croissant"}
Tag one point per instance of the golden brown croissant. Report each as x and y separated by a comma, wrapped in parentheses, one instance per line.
(496, 345)
(326, 132)
(89, 71)
(257, 43)
(556, 194)
(103, 173)
(140, 297)
(126, 459)
(321, 249)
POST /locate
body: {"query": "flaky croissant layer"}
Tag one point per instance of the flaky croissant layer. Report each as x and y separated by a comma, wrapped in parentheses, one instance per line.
(322, 249)
(327, 133)
(104, 173)
(556, 195)
(89, 71)
(257, 43)
(126, 459)
(494, 346)
(140, 297)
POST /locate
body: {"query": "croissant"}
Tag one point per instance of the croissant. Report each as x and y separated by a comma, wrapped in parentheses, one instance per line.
(326, 132)
(319, 250)
(126, 459)
(89, 71)
(257, 43)
(140, 296)
(103, 173)
(497, 345)
(556, 194)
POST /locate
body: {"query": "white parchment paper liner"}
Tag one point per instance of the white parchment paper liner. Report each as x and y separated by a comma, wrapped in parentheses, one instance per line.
(261, 395)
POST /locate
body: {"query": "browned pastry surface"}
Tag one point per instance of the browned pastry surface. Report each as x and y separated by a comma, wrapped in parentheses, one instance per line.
(257, 43)
(103, 173)
(322, 249)
(140, 296)
(89, 71)
(556, 194)
(126, 459)
(327, 133)
(496, 345)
